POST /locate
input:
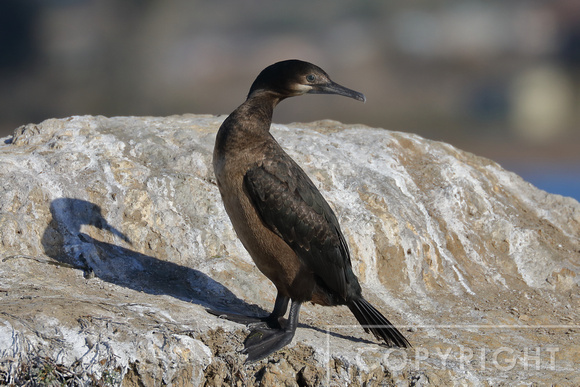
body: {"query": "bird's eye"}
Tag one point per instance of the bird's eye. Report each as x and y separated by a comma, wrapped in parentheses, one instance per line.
(310, 78)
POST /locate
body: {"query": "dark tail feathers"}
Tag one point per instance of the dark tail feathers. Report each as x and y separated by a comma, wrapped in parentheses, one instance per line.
(373, 321)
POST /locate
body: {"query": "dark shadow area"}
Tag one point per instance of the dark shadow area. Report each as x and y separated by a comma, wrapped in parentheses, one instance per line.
(64, 241)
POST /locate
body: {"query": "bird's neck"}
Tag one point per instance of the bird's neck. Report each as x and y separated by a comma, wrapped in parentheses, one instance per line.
(259, 106)
(254, 116)
(257, 111)
(249, 124)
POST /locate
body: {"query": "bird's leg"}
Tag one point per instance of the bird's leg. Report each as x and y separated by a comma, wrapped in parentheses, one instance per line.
(280, 308)
(263, 341)
(272, 320)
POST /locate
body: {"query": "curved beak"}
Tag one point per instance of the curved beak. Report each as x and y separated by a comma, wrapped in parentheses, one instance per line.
(334, 88)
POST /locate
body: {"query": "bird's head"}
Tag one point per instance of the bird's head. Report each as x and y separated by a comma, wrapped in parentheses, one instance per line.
(294, 77)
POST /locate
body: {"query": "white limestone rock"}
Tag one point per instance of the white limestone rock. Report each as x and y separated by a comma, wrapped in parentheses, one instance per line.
(114, 241)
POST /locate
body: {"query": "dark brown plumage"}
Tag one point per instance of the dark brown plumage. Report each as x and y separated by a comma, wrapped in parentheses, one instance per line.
(280, 216)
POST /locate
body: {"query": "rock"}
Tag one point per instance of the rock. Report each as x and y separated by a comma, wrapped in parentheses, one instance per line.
(114, 241)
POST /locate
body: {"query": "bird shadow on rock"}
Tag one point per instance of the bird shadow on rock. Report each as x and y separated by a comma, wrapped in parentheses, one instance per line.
(65, 241)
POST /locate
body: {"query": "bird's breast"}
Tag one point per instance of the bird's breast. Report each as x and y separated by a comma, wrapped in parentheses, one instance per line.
(272, 255)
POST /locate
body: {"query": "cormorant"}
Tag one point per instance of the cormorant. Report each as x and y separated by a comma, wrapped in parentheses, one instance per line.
(280, 216)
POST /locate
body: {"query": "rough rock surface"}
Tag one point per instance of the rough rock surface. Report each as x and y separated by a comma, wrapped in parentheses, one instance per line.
(113, 241)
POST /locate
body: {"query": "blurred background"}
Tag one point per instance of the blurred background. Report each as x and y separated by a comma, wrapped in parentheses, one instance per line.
(498, 78)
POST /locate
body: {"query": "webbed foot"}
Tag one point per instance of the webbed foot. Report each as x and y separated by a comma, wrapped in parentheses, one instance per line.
(267, 334)
(262, 342)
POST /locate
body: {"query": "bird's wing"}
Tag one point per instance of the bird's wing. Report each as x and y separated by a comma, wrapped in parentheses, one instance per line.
(293, 208)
